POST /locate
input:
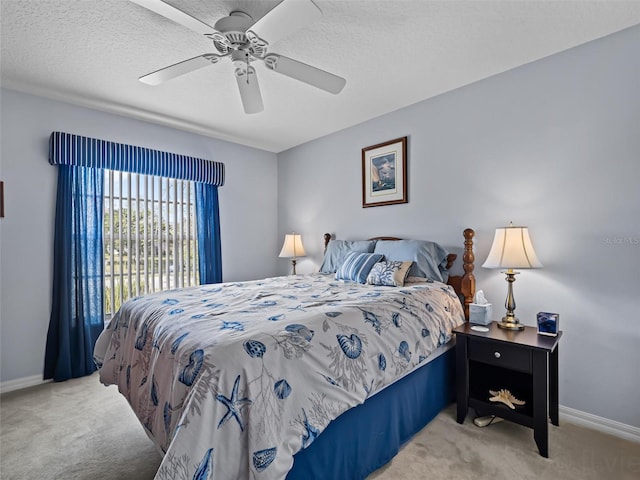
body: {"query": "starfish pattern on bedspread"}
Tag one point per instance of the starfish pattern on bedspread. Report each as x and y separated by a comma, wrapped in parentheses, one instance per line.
(233, 404)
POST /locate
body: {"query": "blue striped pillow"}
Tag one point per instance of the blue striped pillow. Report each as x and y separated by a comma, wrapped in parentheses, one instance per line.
(356, 266)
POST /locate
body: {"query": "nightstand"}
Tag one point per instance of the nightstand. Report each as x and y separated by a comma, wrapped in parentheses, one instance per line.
(522, 362)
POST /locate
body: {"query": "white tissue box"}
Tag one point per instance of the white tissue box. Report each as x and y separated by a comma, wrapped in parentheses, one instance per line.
(480, 314)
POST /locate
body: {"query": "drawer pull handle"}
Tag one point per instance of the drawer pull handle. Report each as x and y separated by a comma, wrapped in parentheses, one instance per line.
(497, 354)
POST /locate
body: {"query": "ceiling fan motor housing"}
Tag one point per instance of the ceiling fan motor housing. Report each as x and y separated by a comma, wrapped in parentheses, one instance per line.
(233, 30)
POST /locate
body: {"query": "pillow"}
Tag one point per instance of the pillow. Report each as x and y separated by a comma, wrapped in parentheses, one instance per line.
(390, 274)
(356, 266)
(338, 249)
(429, 258)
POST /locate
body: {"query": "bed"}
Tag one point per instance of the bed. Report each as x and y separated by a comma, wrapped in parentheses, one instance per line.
(305, 376)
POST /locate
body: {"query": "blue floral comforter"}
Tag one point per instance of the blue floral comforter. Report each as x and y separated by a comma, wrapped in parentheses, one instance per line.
(231, 380)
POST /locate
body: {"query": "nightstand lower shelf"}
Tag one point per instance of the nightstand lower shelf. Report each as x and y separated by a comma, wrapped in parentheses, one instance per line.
(491, 378)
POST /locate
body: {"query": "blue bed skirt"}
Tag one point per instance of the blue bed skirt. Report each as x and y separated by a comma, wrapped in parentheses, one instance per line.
(369, 435)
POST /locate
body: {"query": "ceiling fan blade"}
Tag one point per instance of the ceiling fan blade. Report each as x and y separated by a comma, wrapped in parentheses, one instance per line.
(305, 73)
(249, 89)
(284, 19)
(176, 15)
(173, 71)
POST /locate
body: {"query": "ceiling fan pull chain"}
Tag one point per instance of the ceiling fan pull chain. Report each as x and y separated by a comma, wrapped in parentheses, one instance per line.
(246, 56)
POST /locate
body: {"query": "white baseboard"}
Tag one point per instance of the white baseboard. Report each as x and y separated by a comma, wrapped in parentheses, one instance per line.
(20, 383)
(622, 430)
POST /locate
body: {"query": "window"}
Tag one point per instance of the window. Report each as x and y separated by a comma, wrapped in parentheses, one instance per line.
(149, 231)
(149, 235)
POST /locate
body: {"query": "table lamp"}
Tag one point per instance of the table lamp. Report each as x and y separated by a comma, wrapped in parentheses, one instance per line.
(511, 248)
(292, 248)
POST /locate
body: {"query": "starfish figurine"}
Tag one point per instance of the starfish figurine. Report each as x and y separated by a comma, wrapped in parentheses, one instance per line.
(505, 396)
(233, 404)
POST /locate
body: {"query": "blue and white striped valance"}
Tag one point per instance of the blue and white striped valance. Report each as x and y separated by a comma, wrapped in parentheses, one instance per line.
(68, 149)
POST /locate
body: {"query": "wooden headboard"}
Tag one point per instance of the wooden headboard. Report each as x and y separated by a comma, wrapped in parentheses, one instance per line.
(464, 285)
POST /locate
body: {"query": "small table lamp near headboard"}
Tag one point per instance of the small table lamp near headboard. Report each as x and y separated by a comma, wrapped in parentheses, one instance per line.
(292, 248)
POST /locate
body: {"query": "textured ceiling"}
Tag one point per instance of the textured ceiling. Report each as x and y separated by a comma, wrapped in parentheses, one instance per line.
(393, 53)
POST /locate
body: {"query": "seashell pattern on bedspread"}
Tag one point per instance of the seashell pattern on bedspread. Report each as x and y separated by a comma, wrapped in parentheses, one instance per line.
(231, 380)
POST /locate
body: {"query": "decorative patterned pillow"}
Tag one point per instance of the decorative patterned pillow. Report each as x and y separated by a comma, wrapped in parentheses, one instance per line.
(356, 266)
(391, 274)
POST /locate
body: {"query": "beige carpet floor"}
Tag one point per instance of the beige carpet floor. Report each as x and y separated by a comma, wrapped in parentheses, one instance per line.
(81, 430)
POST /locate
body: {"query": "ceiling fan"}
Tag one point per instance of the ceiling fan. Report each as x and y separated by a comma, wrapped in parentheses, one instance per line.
(241, 40)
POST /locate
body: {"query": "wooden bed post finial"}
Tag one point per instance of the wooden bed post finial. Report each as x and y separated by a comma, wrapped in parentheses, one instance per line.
(468, 284)
(327, 239)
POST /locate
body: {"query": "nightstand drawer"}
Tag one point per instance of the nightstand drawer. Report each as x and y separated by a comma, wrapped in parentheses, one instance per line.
(501, 355)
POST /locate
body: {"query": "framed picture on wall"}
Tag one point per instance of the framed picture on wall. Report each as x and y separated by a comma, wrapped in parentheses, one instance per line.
(384, 173)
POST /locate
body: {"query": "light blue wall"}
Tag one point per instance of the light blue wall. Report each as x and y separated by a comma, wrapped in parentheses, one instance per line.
(554, 145)
(248, 211)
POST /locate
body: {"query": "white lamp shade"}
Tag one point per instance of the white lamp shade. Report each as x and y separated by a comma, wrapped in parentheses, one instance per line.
(512, 248)
(292, 247)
